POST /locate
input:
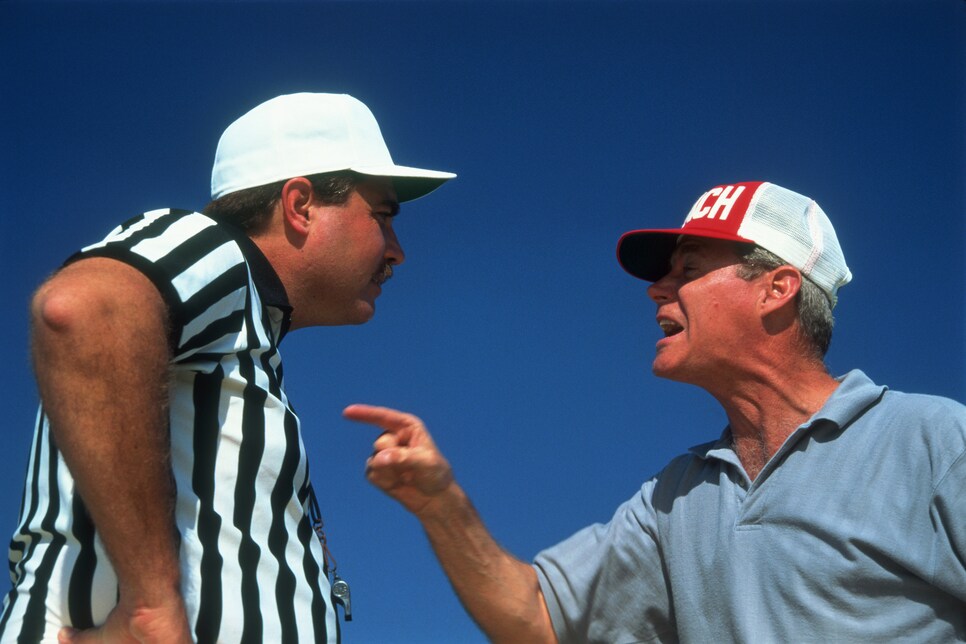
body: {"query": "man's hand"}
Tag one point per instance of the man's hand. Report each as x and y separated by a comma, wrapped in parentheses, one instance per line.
(156, 625)
(405, 462)
(500, 592)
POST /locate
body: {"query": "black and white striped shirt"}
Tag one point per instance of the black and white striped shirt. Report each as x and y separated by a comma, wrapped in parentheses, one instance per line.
(251, 566)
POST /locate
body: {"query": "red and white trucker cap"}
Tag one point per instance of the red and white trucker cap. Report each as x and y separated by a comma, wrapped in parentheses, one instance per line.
(786, 223)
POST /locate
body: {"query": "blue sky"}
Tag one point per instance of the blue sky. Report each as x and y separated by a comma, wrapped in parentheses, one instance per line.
(511, 329)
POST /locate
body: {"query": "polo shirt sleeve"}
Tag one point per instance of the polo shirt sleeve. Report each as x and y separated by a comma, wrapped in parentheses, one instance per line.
(947, 511)
(607, 582)
(199, 270)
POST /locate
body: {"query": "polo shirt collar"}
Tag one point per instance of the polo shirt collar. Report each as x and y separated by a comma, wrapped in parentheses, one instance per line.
(855, 394)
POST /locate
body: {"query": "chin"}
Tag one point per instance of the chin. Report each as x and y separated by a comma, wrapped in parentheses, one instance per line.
(662, 369)
(363, 313)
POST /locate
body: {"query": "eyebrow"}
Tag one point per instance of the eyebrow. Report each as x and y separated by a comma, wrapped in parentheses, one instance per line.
(391, 204)
(685, 248)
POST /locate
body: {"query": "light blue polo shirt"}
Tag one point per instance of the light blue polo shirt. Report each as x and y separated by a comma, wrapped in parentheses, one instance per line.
(854, 531)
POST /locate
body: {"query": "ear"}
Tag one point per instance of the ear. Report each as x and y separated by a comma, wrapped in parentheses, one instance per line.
(781, 286)
(295, 200)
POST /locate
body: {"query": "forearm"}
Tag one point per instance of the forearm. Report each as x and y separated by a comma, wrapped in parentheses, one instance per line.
(121, 472)
(499, 591)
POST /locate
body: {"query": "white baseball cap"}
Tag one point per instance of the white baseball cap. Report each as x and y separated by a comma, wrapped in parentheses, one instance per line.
(790, 225)
(302, 134)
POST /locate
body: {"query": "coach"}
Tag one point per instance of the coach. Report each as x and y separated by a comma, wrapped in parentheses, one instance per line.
(829, 510)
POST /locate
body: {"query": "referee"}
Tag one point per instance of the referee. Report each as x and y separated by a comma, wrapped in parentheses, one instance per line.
(168, 496)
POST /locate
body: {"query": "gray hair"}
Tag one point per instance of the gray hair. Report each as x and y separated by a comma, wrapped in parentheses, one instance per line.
(814, 309)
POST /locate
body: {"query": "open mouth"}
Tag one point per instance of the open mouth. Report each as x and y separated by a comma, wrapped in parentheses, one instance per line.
(670, 328)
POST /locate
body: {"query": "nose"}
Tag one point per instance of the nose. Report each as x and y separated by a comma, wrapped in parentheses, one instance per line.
(661, 290)
(394, 251)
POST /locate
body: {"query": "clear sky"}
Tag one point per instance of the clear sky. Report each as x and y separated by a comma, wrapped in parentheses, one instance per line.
(510, 328)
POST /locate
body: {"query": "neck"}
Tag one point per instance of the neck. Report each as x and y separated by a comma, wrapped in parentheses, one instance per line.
(764, 409)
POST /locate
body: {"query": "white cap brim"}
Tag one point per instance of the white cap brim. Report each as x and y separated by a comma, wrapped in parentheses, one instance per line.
(409, 183)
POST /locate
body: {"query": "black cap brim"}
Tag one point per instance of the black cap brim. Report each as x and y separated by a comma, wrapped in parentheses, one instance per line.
(646, 254)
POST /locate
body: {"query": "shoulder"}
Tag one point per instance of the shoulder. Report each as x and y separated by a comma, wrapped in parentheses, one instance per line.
(96, 299)
(686, 479)
(178, 250)
(927, 405)
(188, 259)
(921, 435)
(923, 418)
(860, 401)
(154, 235)
(936, 416)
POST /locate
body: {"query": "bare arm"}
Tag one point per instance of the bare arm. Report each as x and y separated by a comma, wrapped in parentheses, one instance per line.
(100, 353)
(500, 592)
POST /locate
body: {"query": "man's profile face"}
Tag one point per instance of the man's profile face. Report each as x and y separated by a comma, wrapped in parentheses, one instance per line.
(349, 252)
(704, 310)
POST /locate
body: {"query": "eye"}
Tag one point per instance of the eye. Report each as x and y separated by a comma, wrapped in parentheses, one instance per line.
(382, 216)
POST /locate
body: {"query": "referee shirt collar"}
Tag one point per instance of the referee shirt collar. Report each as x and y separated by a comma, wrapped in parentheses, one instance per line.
(267, 281)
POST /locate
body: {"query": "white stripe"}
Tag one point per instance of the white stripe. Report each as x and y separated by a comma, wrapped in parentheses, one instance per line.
(205, 270)
(180, 231)
(818, 241)
(120, 234)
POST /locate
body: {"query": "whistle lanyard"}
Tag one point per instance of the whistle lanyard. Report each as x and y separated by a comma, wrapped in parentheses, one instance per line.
(340, 589)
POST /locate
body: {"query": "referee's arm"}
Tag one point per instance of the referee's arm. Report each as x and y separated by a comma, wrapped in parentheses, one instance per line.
(100, 353)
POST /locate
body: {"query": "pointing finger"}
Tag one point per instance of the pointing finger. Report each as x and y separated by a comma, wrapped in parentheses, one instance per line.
(389, 419)
(405, 429)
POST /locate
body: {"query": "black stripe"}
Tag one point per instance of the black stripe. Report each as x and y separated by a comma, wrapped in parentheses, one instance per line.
(35, 616)
(26, 518)
(274, 377)
(313, 573)
(207, 433)
(270, 289)
(193, 249)
(278, 536)
(281, 495)
(249, 459)
(155, 229)
(19, 548)
(169, 213)
(306, 531)
(233, 279)
(82, 576)
(217, 329)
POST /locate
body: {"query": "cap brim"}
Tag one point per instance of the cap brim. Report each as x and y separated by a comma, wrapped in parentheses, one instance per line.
(409, 183)
(646, 254)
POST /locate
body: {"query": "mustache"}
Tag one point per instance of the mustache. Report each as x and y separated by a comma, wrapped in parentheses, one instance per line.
(383, 275)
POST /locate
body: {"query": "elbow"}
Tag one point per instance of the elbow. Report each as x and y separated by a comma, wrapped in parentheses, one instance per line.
(55, 310)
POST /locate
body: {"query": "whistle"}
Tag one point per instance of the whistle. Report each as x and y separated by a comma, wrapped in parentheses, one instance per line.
(340, 592)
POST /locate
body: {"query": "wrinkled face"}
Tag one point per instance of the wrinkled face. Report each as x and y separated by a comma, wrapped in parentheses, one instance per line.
(348, 254)
(705, 311)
